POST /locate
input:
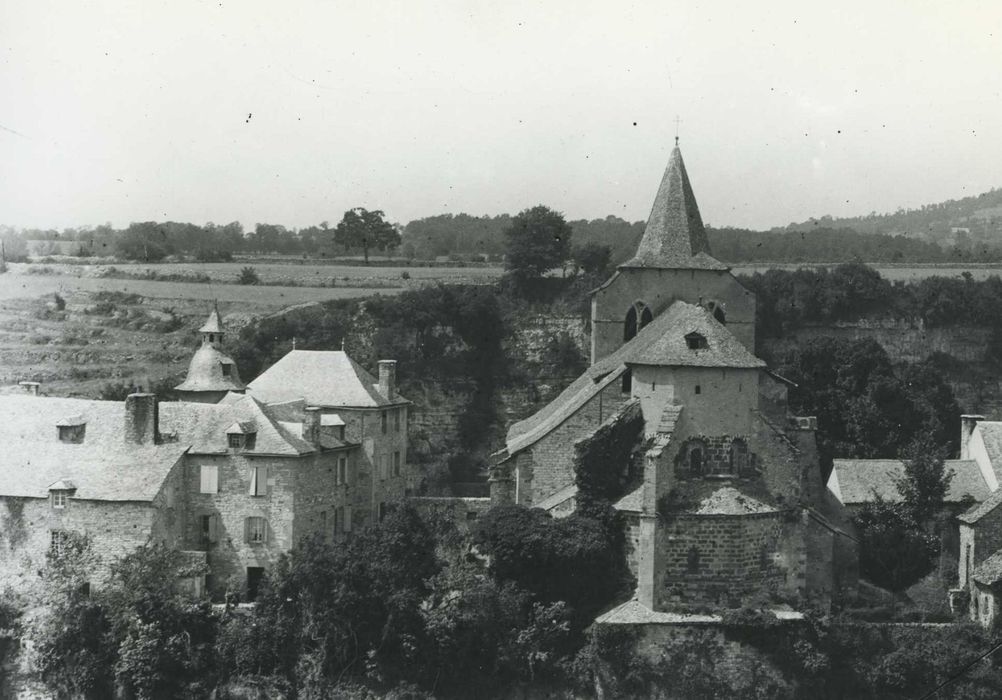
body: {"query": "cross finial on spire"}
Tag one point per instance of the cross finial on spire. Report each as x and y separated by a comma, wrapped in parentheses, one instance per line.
(677, 122)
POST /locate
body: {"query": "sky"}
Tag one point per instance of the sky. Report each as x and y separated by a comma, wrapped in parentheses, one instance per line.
(292, 112)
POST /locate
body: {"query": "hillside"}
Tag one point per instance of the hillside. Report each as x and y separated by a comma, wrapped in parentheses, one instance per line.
(966, 221)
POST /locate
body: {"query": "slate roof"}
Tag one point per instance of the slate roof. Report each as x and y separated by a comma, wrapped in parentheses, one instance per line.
(106, 467)
(103, 467)
(989, 572)
(321, 378)
(991, 435)
(205, 372)
(213, 324)
(661, 342)
(727, 500)
(558, 498)
(634, 612)
(855, 480)
(982, 509)
(632, 502)
(675, 236)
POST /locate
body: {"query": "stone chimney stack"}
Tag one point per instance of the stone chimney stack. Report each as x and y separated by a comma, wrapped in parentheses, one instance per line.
(967, 423)
(388, 378)
(311, 425)
(142, 419)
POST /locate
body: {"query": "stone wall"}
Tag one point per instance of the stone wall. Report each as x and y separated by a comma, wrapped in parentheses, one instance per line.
(720, 559)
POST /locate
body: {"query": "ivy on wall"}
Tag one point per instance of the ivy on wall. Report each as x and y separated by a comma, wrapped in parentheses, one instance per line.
(603, 461)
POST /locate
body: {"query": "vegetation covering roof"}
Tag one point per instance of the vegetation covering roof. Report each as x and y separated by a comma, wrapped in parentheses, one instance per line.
(858, 480)
(321, 378)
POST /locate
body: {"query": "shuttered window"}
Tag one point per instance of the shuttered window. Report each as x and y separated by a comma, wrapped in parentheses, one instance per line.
(210, 527)
(259, 481)
(396, 464)
(342, 471)
(209, 479)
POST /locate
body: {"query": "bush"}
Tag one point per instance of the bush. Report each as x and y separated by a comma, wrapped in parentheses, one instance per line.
(248, 275)
(59, 302)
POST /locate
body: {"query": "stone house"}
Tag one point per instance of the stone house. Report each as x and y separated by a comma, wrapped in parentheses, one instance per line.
(238, 481)
(726, 501)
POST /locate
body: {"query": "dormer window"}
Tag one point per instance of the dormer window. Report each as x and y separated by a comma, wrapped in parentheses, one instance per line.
(60, 493)
(226, 369)
(696, 341)
(241, 435)
(72, 429)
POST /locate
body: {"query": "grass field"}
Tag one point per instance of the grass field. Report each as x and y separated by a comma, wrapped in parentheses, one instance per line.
(904, 273)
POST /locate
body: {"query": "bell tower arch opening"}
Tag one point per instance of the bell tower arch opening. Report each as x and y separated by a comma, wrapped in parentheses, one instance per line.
(637, 317)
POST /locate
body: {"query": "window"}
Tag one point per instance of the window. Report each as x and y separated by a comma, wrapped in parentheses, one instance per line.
(341, 476)
(384, 421)
(338, 519)
(259, 481)
(208, 527)
(627, 381)
(58, 541)
(236, 441)
(254, 576)
(692, 560)
(397, 419)
(696, 460)
(381, 466)
(59, 499)
(696, 341)
(72, 433)
(630, 326)
(698, 389)
(257, 530)
(346, 518)
(209, 479)
(396, 464)
(382, 511)
(226, 369)
(471, 515)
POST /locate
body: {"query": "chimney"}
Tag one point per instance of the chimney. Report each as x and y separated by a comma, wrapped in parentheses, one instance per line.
(142, 419)
(311, 425)
(388, 378)
(967, 423)
(30, 387)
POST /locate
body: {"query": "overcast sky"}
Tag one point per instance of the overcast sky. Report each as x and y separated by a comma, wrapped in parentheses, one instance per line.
(292, 112)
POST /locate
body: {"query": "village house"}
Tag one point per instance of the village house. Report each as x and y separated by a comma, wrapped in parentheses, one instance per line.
(726, 502)
(237, 475)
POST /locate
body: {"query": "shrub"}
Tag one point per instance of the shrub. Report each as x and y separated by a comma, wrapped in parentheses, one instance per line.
(248, 275)
(59, 302)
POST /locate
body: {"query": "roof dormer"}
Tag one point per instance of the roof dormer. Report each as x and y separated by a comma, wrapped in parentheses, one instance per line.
(696, 341)
(72, 429)
(241, 435)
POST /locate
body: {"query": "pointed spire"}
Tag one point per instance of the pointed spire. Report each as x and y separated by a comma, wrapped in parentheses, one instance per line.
(213, 324)
(675, 237)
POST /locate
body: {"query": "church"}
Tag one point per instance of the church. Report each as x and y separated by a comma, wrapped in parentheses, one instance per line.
(724, 500)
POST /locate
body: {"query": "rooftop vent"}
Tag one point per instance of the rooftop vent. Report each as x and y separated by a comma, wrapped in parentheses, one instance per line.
(696, 341)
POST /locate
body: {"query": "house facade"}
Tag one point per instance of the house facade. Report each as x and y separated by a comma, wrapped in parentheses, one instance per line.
(237, 480)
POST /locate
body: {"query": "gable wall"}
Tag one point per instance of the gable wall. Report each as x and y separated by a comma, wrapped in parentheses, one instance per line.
(658, 288)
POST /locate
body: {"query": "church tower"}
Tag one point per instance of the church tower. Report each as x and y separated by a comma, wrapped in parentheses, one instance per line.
(211, 373)
(673, 263)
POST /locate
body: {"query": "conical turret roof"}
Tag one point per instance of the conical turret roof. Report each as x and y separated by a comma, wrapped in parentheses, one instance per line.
(675, 237)
(213, 324)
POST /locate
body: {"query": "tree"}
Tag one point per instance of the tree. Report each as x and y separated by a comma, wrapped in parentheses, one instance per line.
(360, 228)
(895, 551)
(538, 240)
(593, 258)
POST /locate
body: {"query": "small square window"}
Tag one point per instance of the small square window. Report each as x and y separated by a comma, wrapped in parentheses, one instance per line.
(236, 441)
(698, 389)
(59, 499)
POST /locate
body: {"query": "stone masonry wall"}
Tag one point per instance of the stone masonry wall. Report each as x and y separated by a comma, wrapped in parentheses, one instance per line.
(735, 556)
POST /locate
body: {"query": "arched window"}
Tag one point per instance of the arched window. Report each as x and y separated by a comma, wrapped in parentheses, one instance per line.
(696, 460)
(646, 316)
(630, 327)
(637, 317)
(692, 560)
(718, 311)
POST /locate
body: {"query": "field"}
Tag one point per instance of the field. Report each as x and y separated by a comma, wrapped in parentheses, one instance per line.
(894, 273)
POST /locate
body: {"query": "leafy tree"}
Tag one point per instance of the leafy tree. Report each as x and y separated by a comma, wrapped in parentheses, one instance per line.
(146, 241)
(895, 550)
(538, 240)
(593, 258)
(926, 480)
(360, 228)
